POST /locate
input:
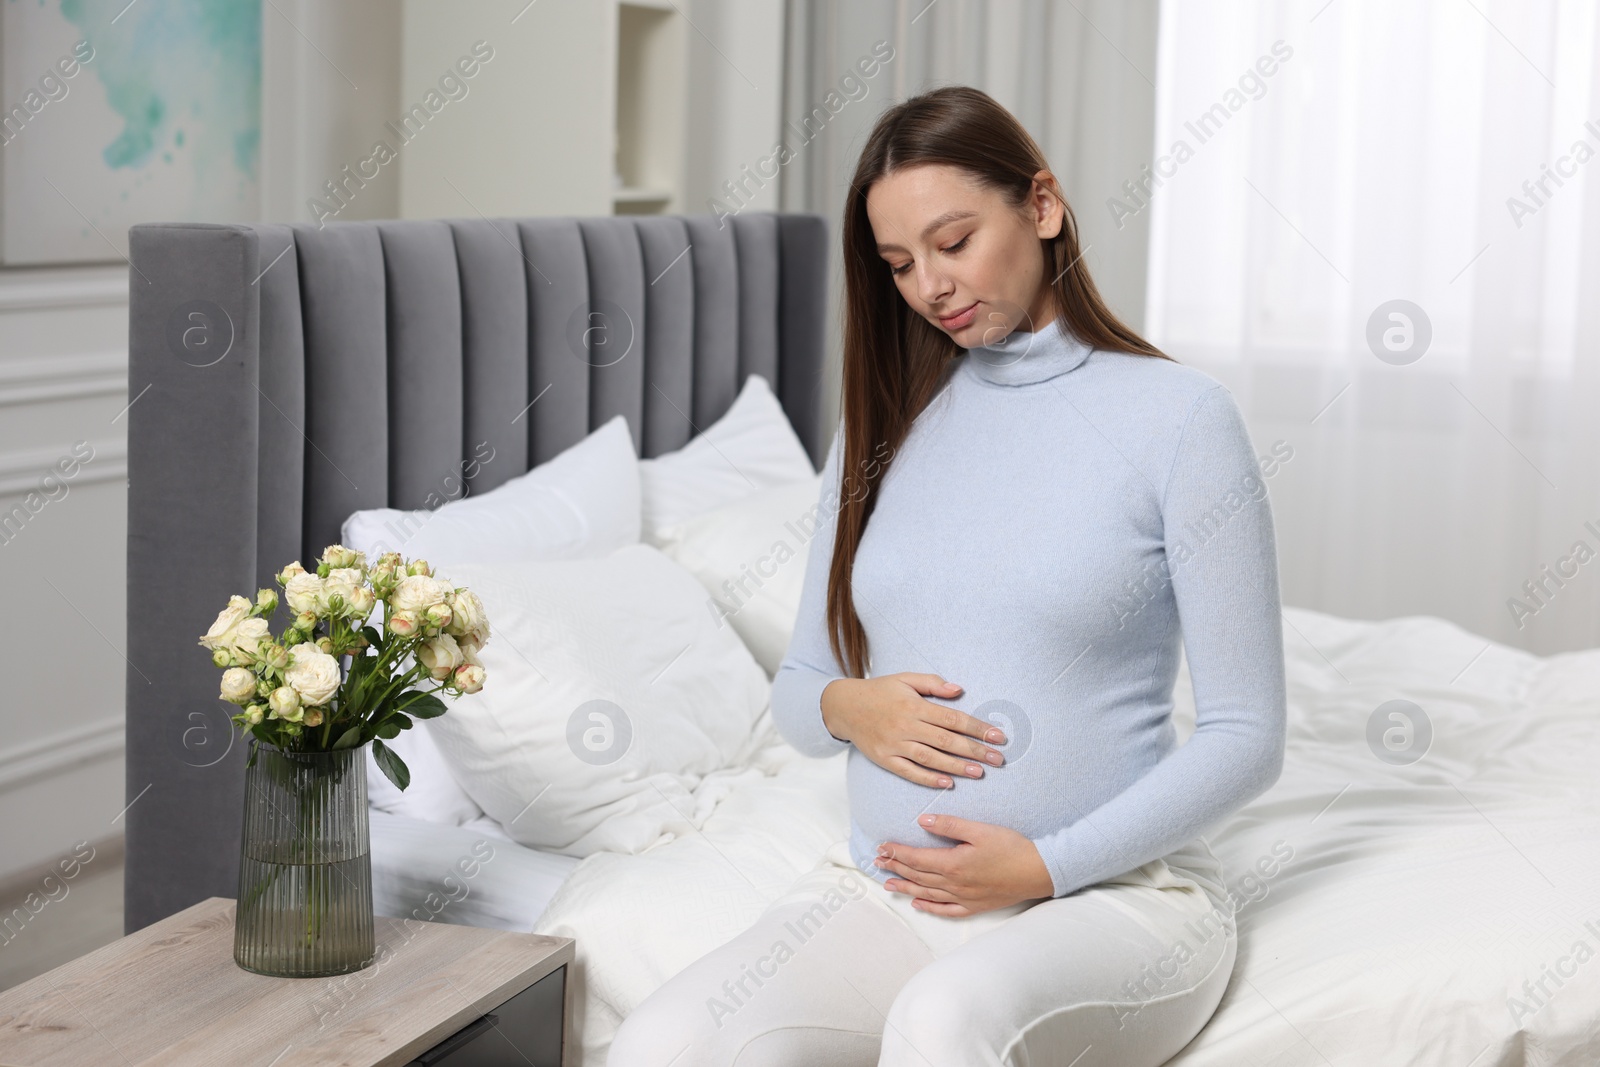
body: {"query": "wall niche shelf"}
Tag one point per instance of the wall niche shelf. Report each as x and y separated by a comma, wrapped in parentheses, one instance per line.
(651, 91)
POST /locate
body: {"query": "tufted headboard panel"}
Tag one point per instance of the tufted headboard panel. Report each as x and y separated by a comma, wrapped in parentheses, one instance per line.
(285, 376)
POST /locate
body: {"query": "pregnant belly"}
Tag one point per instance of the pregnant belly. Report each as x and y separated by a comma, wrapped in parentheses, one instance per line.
(1026, 797)
(1050, 780)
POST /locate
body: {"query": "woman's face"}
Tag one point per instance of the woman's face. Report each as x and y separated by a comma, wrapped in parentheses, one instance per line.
(962, 257)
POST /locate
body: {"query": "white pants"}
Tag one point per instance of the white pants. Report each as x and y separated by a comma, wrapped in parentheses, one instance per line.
(842, 972)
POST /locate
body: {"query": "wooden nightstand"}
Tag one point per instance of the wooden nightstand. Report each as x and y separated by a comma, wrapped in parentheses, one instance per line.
(170, 994)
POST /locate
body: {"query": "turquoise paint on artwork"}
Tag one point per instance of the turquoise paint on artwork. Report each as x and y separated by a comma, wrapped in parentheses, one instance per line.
(162, 57)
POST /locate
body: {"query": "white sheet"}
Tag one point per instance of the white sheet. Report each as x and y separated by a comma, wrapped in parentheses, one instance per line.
(1420, 898)
(471, 875)
(1414, 905)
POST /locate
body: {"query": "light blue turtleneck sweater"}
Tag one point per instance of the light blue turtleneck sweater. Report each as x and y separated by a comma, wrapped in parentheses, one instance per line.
(1055, 521)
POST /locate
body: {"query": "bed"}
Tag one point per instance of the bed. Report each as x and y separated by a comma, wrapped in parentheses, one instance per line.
(1392, 907)
(1387, 913)
(283, 377)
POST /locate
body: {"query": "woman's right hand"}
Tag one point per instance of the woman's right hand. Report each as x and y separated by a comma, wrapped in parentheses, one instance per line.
(893, 726)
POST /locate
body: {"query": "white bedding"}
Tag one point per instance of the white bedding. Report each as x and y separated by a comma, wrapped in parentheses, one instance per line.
(471, 875)
(1418, 898)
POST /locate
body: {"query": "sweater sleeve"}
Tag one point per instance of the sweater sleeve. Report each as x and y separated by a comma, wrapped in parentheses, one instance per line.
(1222, 566)
(808, 665)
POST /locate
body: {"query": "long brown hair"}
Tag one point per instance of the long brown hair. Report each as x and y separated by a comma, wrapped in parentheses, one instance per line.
(894, 359)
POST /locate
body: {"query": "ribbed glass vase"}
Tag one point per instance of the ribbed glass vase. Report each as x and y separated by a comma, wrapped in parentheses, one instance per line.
(305, 867)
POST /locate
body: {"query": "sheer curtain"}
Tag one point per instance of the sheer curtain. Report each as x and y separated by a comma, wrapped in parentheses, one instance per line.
(1379, 224)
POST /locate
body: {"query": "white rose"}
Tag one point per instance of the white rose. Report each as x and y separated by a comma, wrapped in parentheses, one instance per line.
(313, 674)
(418, 593)
(228, 619)
(337, 556)
(470, 677)
(439, 616)
(249, 634)
(304, 593)
(469, 616)
(283, 701)
(440, 656)
(238, 685)
(342, 582)
(382, 578)
(469, 645)
(363, 603)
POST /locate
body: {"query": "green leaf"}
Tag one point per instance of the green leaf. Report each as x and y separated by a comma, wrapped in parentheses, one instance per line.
(422, 705)
(372, 635)
(388, 729)
(392, 766)
(254, 744)
(349, 739)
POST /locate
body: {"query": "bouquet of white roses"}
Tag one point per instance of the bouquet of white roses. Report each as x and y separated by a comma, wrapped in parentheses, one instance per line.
(332, 680)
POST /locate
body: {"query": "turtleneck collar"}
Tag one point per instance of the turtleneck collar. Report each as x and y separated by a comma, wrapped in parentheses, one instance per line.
(1023, 358)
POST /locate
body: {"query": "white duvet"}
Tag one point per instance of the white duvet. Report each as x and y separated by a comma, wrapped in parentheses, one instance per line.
(1443, 912)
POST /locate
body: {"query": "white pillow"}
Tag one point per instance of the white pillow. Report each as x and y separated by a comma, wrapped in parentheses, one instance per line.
(751, 557)
(432, 795)
(583, 502)
(611, 693)
(752, 447)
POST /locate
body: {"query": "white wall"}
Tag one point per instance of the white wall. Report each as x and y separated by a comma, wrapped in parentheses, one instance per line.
(323, 106)
(532, 135)
(535, 135)
(63, 380)
(735, 96)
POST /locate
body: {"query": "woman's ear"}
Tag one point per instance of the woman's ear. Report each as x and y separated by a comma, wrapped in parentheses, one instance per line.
(1045, 201)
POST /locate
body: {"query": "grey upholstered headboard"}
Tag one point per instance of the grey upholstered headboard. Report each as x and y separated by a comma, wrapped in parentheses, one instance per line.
(282, 377)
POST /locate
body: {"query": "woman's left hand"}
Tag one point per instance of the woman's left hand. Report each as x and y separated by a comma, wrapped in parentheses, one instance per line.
(992, 867)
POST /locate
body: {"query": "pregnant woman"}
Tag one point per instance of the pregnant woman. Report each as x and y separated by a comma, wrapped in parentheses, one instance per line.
(1025, 509)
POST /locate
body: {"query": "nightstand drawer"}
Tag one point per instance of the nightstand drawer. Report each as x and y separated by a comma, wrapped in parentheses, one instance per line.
(524, 1030)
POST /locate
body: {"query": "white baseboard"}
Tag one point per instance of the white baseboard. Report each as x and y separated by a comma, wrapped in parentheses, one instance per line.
(22, 468)
(33, 760)
(61, 287)
(63, 377)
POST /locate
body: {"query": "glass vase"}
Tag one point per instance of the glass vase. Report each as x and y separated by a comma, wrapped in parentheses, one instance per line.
(304, 907)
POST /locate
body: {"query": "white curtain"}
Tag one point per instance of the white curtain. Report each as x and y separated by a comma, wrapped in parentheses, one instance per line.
(1317, 162)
